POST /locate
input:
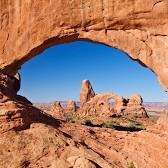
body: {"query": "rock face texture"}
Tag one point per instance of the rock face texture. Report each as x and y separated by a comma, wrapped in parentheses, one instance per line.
(28, 27)
(57, 110)
(100, 104)
(71, 106)
(86, 93)
(120, 103)
(46, 146)
(137, 27)
(97, 105)
(135, 107)
(162, 123)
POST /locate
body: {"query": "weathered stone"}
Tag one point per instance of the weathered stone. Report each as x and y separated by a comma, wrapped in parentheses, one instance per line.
(86, 93)
(120, 104)
(135, 108)
(162, 122)
(137, 27)
(17, 115)
(71, 106)
(23, 99)
(135, 100)
(8, 85)
(97, 105)
(57, 110)
(100, 105)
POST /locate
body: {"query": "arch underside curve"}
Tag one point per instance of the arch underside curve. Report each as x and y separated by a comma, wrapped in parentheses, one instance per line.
(135, 27)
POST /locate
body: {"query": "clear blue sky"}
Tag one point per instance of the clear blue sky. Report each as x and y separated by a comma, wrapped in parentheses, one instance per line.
(57, 73)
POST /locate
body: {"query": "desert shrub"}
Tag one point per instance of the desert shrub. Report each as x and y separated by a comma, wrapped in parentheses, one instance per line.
(88, 123)
(81, 117)
(108, 124)
(93, 116)
(68, 117)
(131, 165)
(136, 125)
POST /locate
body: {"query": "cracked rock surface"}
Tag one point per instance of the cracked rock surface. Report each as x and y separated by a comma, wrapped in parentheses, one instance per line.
(137, 27)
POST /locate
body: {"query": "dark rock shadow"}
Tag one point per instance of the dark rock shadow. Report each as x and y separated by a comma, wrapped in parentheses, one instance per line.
(32, 115)
(42, 117)
(116, 127)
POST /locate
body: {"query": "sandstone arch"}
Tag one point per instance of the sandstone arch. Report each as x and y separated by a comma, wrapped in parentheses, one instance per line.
(139, 28)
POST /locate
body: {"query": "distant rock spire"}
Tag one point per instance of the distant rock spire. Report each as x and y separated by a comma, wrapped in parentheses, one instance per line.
(86, 93)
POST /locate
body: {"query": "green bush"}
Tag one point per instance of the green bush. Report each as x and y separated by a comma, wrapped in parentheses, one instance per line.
(136, 125)
(108, 124)
(131, 165)
(94, 116)
(81, 117)
(88, 123)
(68, 117)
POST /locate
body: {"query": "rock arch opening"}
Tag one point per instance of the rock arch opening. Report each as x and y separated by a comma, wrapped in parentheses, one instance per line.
(137, 27)
(106, 63)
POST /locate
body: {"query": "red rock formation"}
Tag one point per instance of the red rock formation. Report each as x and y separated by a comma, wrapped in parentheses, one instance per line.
(71, 106)
(162, 123)
(97, 105)
(15, 115)
(120, 104)
(57, 110)
(86, 93)
(134, 107)
(137, 27)
(118, 24)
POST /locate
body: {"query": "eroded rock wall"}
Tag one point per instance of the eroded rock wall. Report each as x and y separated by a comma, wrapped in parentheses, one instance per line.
(137, 27)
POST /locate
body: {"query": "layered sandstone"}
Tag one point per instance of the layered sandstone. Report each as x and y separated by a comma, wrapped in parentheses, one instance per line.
(86, 92)
(137, 27)
(120, 104)
(57, 110)
(71, 106)
(162, 123)
(135, 107)
(100, 104)
(97, 105)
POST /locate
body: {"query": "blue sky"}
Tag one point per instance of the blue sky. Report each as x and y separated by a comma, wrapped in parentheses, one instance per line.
(57, 73)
